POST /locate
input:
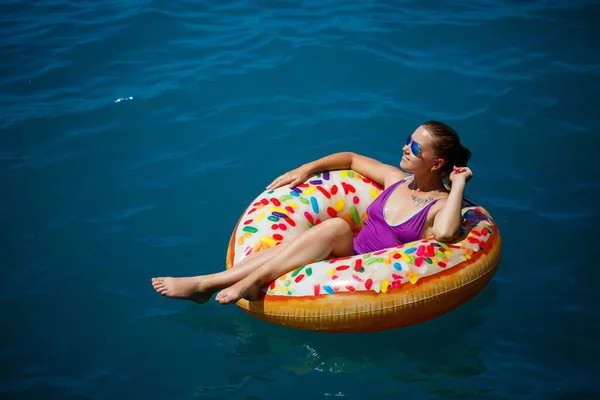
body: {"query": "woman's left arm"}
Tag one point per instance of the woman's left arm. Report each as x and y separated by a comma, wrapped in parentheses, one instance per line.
(448, 220)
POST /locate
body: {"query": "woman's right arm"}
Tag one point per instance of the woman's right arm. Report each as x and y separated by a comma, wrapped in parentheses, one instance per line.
(379, 172)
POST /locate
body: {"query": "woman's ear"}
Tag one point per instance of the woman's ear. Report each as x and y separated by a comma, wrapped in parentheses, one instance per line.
(437, 164)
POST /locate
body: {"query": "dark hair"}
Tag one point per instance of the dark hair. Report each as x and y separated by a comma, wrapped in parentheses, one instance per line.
(447, 146)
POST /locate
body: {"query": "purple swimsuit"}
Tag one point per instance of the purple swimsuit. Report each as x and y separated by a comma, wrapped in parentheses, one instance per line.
(377, 234)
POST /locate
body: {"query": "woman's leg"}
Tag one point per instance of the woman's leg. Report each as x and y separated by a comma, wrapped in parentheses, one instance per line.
(201, 288)
(331, 237)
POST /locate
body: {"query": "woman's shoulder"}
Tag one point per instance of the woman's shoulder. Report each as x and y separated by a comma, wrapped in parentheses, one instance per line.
(396, 177)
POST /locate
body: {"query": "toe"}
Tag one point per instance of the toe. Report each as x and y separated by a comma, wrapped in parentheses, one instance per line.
(222, 298)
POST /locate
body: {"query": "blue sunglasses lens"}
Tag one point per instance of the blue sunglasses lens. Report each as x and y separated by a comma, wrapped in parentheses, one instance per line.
(414, 147)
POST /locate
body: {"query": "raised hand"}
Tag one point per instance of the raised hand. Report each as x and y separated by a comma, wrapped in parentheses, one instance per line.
(460, 173)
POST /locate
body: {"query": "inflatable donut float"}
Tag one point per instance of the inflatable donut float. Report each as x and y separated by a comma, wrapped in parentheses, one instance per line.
(387, 289)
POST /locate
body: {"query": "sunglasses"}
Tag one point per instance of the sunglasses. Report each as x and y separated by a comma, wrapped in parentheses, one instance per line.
(414, 146)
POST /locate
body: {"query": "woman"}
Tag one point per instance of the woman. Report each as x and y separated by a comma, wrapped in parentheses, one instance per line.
(411, 207)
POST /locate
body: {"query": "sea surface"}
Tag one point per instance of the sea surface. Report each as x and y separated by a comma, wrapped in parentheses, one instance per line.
(134, 133)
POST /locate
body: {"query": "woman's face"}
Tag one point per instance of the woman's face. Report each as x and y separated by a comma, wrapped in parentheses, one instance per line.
(418, 153)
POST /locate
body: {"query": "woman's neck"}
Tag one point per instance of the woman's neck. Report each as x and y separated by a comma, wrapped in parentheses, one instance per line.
(427, 183)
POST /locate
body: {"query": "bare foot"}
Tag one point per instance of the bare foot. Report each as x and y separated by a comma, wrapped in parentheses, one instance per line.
(191, 288)
(244, 289)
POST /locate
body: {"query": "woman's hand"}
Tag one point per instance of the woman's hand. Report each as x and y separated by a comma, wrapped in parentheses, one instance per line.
(460, 174)
(294, 178)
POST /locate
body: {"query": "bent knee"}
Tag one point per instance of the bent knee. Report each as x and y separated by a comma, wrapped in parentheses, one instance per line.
(338, 227)
(341, 238)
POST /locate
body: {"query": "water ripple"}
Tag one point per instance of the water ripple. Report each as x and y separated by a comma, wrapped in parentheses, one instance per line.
(232, 38)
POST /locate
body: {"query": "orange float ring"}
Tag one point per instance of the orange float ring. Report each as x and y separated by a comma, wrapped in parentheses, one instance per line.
(387, 289)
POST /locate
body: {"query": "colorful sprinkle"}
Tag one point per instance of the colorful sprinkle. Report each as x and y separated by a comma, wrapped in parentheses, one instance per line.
(315, 205)
(267, 240)
(339, 205)
(334, 190)
(325, 192)
(273, 218)
(374, 260)
(384, 286)
(278, 210)
(412, 277)
(290, 221)
(354, 214)
(250, 229)
(316, 182)
(358, 266)
(328, 289)
(308, 216)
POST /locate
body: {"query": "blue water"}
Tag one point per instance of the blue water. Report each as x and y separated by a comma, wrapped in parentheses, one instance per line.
(134, 133)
